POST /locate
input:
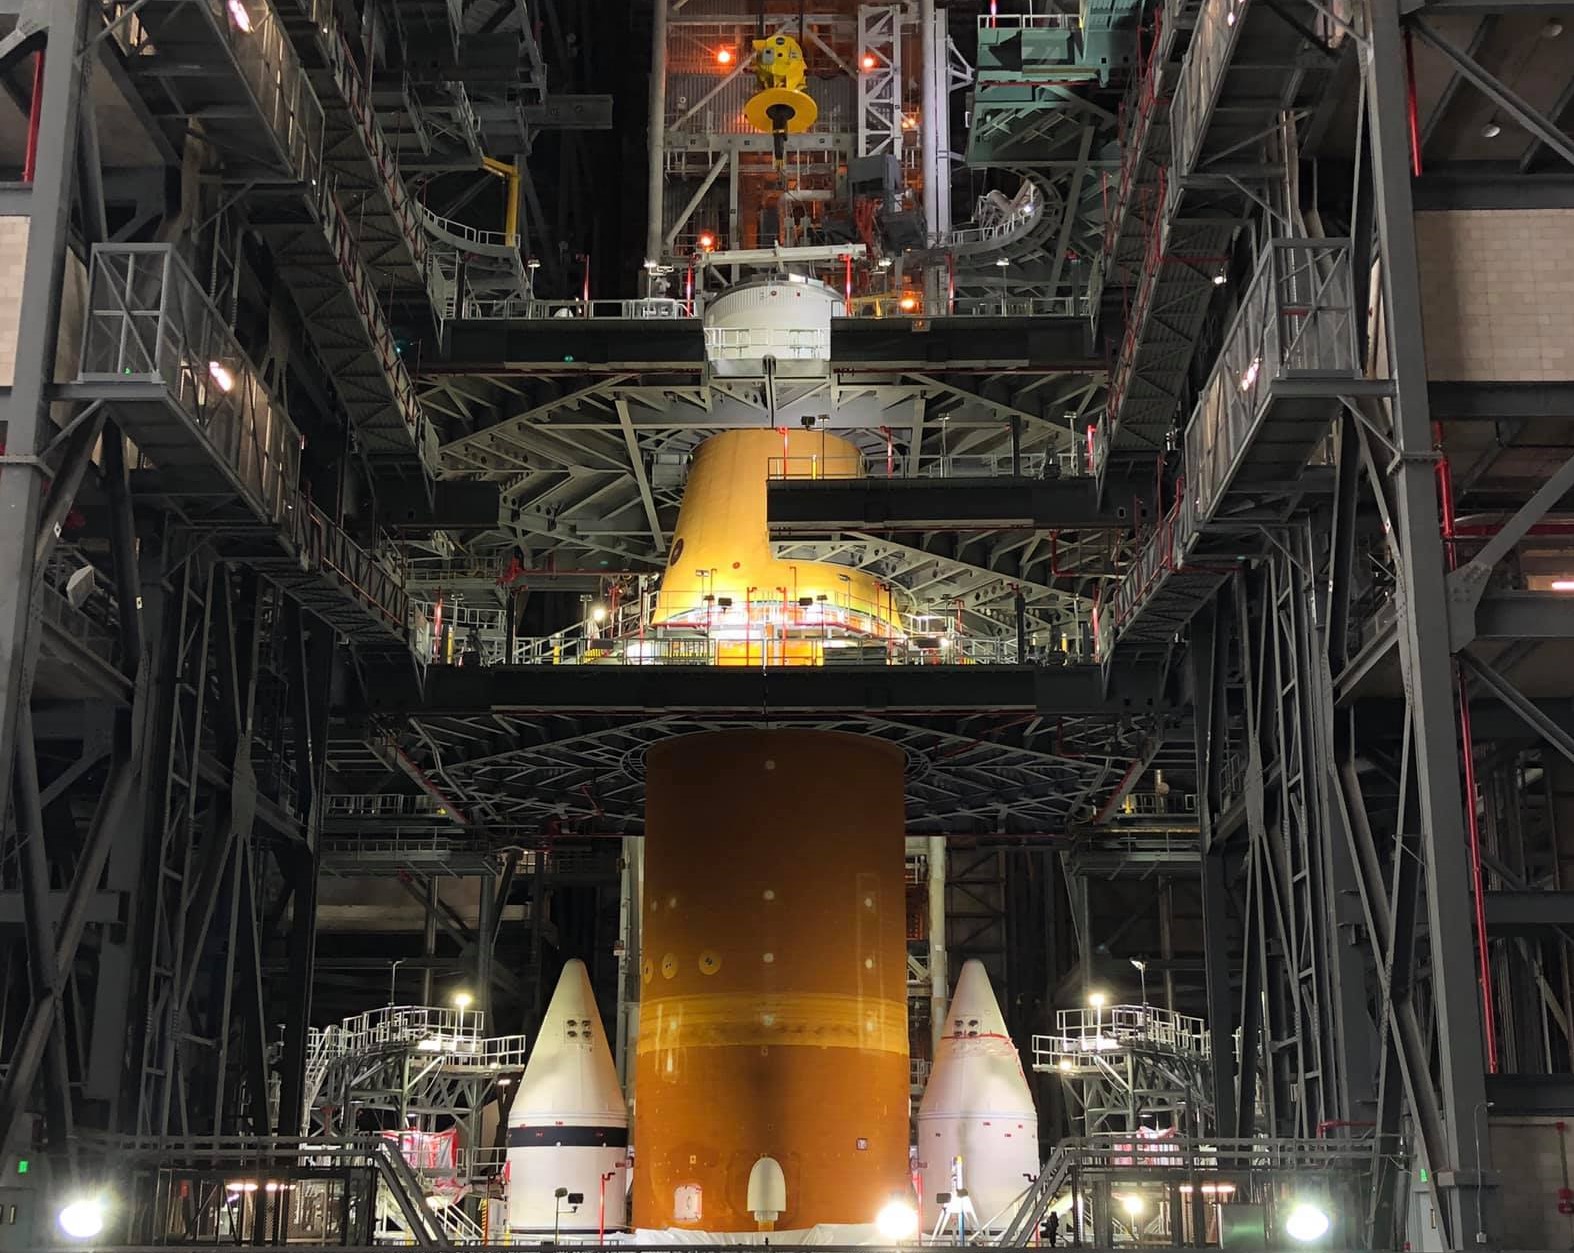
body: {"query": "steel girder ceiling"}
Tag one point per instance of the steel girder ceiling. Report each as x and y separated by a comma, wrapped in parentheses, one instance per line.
(593, 473)
(990, 774)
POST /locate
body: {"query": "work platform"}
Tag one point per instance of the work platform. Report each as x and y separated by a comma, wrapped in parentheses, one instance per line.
(807, 506)
(623, 336)
(1289, 357)
(1066, 690)
(224, 455)
(1214, 120)
(1122, 1065)
(324, 206)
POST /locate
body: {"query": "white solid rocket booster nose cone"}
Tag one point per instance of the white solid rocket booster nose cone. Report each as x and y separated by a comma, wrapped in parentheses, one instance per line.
(568, 1128)
(978, 1107)
(974, 1010)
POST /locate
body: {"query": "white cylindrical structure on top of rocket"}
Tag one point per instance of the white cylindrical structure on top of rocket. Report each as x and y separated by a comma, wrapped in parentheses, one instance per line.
(568, 1127)
(977, 1107)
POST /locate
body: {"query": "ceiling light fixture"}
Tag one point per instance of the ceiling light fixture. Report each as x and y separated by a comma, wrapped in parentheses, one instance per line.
(1491, 130)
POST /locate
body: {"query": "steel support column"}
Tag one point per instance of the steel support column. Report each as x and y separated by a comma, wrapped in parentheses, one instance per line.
(655, 156)
(1208, 661)
(25, 408)
(1463, 1157)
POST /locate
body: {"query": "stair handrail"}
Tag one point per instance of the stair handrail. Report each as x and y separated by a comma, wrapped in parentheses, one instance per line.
(1030, 1213)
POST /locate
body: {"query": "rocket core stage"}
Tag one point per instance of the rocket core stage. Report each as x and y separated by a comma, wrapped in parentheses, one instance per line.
(773, 1018)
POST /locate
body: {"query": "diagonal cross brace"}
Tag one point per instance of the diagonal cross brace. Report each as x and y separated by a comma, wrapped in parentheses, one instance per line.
(1518, 109)
(1532, 714)
(1466, 584)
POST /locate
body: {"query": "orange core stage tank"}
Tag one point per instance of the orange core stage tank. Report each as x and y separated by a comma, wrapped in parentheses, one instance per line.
(724, 581)
(773, 1015)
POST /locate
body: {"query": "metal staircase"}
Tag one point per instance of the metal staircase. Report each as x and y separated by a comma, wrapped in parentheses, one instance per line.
(1023, 1228)
(357, 158)
(1144, 132)
(478, 273)
(1011, 241)
(338, 300)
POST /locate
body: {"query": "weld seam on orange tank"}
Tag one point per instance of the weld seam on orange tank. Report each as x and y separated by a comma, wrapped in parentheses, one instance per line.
(809, 1020)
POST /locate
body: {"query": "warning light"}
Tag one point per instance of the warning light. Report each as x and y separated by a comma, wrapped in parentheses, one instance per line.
(907, 303)
(724, 56)
(707, 241)
(868, 61)
(23, 1166)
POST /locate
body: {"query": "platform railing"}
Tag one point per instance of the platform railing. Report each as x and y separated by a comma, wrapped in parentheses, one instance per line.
(353, 90)
(327, 547)
(749, 343)
(1157, 558)
(466, 234)
(1296, 322)
(1000, 220)
(762, 649)
(418, 428)
(1202, 71)
(267, 65)
(1098, 446)
(149, 321)
(1114, 1028)
(382, 805)
(275, 1156)
(651, 308)
(1134, 120)
(1029, 21)
(1161, 193)
(1019, 307)
(1034, 465)
(454, 1035)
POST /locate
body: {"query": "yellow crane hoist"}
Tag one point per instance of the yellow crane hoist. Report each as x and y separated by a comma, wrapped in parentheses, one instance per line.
(781, 107)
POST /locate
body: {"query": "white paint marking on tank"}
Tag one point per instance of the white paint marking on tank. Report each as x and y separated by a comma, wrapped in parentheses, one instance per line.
(868, 902)
(769, 894)
(868, 963)
(768, 958)
(672, 902)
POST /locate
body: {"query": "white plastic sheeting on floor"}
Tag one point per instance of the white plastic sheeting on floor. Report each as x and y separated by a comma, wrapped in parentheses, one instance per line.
(825, 1233)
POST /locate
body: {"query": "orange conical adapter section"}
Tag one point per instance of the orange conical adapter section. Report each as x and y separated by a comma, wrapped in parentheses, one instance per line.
(722, 577)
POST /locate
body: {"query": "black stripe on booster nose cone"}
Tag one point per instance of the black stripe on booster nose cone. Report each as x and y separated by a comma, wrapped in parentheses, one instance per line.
(567, 1137)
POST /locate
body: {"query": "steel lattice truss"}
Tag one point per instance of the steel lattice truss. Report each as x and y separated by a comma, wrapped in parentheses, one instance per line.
(593, 475)
(984, 775)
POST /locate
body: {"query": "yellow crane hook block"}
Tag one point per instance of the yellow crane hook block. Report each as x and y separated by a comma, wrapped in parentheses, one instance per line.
(781, 107)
